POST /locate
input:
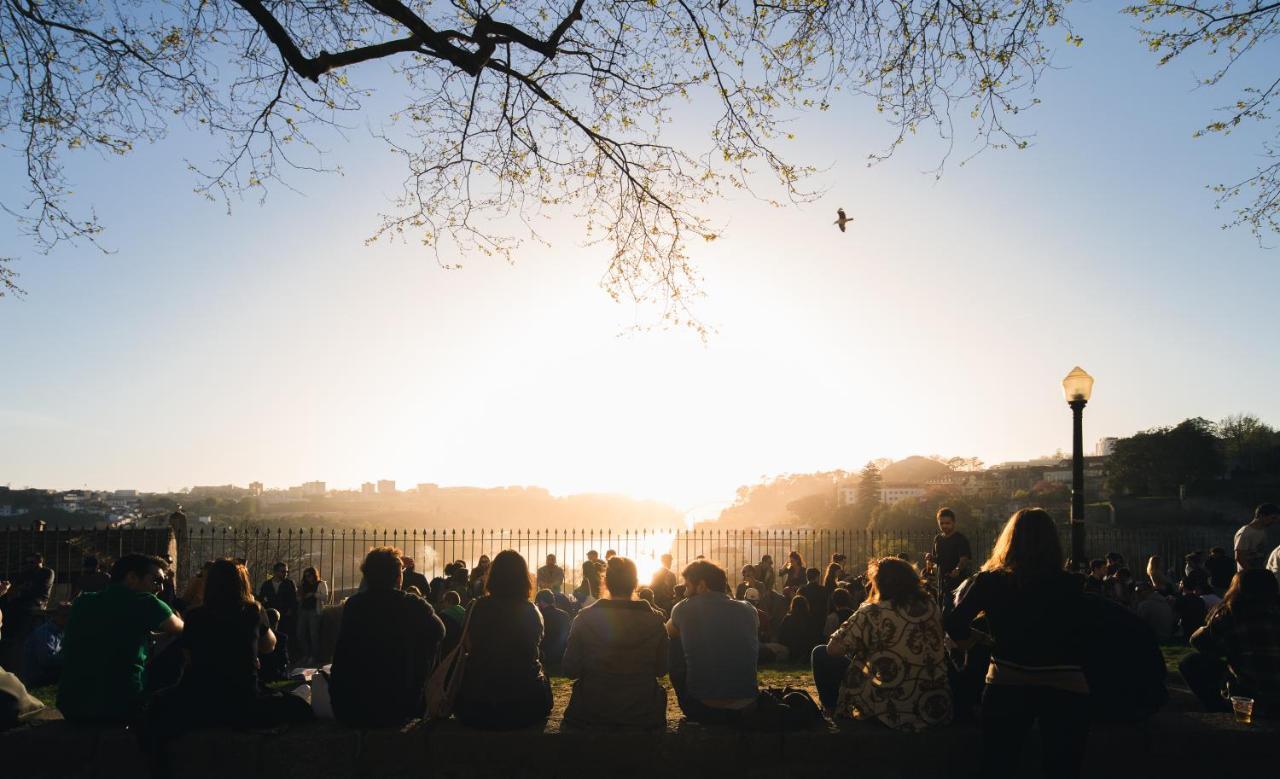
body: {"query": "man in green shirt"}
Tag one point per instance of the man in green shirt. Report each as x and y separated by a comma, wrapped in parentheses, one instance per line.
(105, 643)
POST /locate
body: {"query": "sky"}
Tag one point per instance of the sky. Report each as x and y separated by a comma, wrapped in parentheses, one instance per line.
(271, 344)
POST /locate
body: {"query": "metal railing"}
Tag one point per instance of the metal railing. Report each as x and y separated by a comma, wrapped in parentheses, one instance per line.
(338, 553)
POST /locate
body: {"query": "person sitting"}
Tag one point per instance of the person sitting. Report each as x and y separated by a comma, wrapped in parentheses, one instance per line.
(748, 582)
(1190, 604)
(796, 632)
(387, 647)
(504, 686)
(454, 616)
(1238, 646)
(42, 651)
(1155, 610)
(551, 576)
(222, 641)
(815, 595)
(105, 643)
(556, 625)
(1157, 577)
(90, 579)
(617, 651)
(1039, 621)
(1221, 568)
(1094, 583)
(273, 663)
(888, 661)
(714, 648)
(841, 608)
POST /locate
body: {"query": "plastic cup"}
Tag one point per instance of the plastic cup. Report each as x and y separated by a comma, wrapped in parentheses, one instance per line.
(1243, 708)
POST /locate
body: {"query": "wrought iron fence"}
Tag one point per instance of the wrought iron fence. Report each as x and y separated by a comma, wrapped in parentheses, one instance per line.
(338, 553)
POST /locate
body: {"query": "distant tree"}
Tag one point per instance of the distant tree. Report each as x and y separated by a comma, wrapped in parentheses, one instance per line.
(814, 509)
(1248, 444)
(1159, 461)
(869, 492)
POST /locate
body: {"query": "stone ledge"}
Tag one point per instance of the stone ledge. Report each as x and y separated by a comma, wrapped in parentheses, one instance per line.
(1173, 743)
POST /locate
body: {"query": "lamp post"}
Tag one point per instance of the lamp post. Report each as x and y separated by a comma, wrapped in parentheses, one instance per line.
(1077, 387)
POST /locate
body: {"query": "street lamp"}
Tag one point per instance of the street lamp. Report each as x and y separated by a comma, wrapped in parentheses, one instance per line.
(1077, 387)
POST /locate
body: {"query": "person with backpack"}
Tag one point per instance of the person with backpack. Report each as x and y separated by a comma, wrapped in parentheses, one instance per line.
(896, 669)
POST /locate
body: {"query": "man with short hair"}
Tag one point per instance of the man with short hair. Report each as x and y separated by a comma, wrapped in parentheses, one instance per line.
(551, 576)
(556, 627)
(106, 642)
(412, 578)
(1095, 582)
(280, 593)
(1251, 546)
(91, 578)
(387, 646)
(664, 585)
(714, 648)
(592, 575)
(1221, 569)
(951, 553)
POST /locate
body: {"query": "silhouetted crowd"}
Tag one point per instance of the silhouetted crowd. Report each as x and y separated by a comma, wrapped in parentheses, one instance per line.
(1024, 638)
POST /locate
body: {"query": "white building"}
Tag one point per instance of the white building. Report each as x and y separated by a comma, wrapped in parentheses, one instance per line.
(313, 489)
(846, 495)
(1105, 447)
(891, 495)
(368, 488)
(386, 486)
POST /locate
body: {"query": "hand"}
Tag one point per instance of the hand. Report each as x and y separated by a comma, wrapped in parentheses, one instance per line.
(4, 587)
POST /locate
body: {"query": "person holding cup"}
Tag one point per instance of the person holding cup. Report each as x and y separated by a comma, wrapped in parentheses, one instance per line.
(1239, 648)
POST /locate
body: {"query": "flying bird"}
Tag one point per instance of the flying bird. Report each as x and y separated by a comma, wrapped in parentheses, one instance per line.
(842, 220)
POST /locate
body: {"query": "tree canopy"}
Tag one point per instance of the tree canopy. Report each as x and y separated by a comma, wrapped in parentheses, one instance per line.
(515, 109)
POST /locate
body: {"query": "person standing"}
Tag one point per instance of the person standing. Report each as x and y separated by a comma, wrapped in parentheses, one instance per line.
(765, 573)
(313, 594)
(794, 572)
(280, 593)
(951, 553)
(1251, 547)
(412, 578)
(551, 576)
(664, 585)
(105, 642)
(387, 647)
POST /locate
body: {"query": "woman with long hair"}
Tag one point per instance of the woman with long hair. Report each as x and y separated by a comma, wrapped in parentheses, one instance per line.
(616, 653)
(793, 573)
(796, 632)
(1037, 616)
(222, 640)
(504, 686)
(892, 654)
(1238, 647)
(313, 594)
(1156, 575)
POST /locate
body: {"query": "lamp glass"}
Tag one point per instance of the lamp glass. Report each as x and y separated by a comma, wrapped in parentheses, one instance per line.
(1078, 385)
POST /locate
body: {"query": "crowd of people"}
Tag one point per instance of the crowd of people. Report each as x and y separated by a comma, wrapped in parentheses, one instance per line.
(1025, 638)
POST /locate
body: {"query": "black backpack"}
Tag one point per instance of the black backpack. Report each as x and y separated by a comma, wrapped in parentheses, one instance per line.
(782, 709)
(1123, 664)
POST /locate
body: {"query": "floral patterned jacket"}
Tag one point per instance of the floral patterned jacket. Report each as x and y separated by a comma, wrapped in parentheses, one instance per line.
(898, 671)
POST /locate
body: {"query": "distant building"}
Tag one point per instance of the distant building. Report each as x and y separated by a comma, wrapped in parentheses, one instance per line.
(124, 494)
(891, 495)
(255, 489)
(386, 486)
(847, 495)
(1105, 447)
(219, 491)
(427, 487)
(368, 488)
(313, 489)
